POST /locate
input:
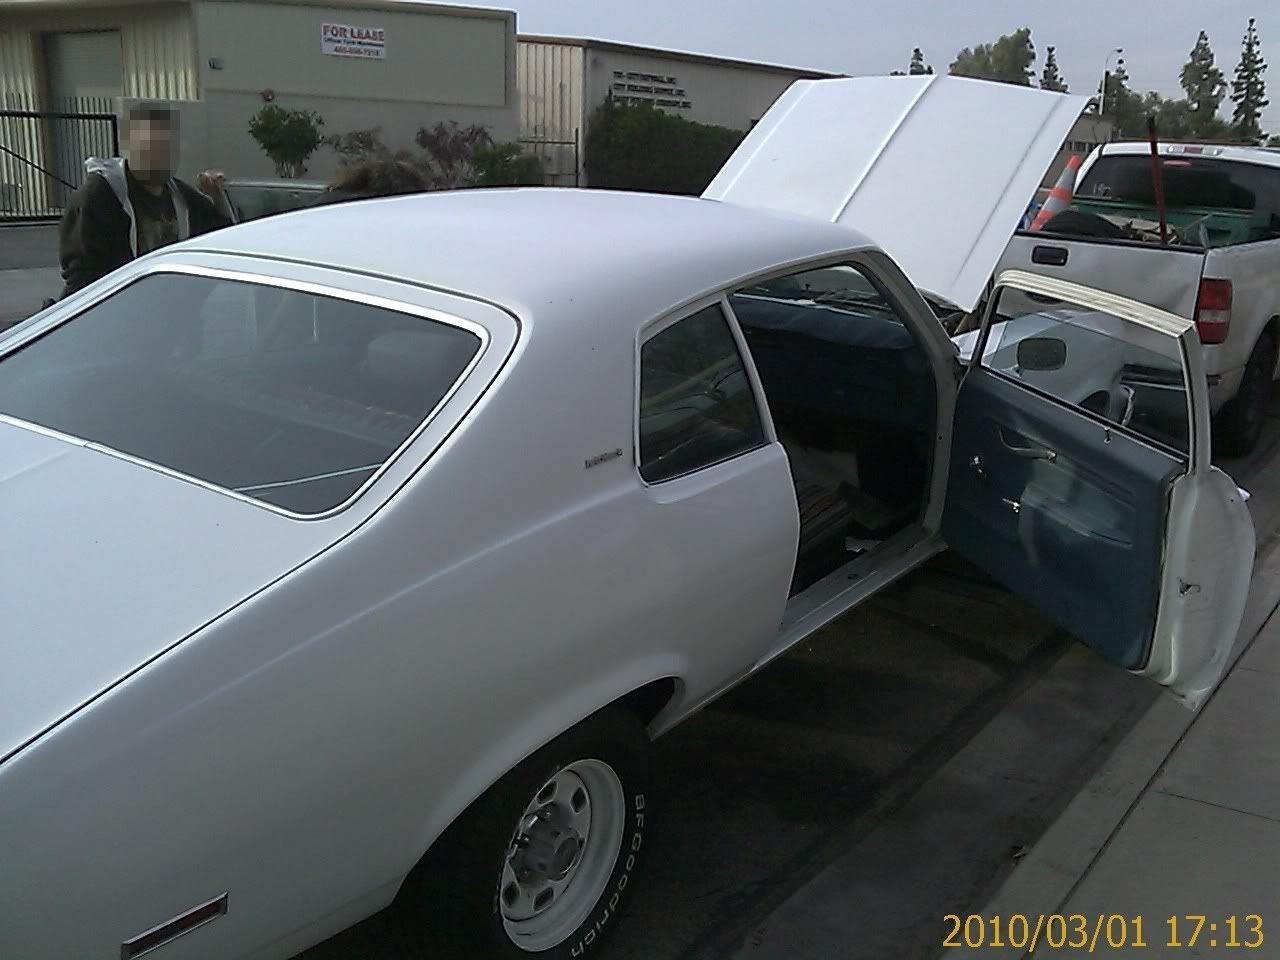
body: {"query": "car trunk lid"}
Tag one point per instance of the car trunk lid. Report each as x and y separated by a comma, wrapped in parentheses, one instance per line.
(107, 563)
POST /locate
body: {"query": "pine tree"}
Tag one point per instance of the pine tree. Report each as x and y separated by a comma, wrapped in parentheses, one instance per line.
(1117, 95)
(1008, 60)
(918, 66)
(1206, 87)
(1051, 78)
(1249, 91)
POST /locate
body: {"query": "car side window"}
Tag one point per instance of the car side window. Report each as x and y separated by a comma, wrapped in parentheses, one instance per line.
(696, 403)
(1109, 367)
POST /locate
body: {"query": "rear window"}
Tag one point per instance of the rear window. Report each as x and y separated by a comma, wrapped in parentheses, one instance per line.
(287, 397)
(1189, 181)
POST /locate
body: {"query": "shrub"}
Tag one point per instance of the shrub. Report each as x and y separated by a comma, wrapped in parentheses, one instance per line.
(506, 165)
(638, 147)
(287, 137)
(360, 146)
(450, 151)
(450, 157)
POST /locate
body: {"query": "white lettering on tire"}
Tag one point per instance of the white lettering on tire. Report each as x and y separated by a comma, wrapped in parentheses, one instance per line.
(637, 839)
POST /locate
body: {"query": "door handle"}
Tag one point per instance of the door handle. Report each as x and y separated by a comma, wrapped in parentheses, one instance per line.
(1029, 453)
(1013, 505)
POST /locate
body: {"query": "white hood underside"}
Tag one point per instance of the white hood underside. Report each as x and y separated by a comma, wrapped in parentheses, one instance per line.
(936, 170)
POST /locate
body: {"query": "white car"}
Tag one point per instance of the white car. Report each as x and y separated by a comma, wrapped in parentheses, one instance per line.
(360, 553)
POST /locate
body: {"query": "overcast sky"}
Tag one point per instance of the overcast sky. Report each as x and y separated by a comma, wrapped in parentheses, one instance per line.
(876, 36)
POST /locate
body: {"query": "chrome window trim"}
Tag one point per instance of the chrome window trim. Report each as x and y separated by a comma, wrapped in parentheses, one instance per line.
(301, 286)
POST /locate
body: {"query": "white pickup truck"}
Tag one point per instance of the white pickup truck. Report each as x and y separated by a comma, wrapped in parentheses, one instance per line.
(1220, 267)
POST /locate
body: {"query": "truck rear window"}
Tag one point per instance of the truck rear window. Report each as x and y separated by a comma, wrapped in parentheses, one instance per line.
(281, 395)
(1189, 181)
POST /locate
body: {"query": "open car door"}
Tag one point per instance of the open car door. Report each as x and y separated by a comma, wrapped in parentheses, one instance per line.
(1080, 479)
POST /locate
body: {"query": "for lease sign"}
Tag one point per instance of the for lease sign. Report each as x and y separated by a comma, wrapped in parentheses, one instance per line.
(344, 40)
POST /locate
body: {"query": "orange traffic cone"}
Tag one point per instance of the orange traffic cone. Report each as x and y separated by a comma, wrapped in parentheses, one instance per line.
(1060, 196)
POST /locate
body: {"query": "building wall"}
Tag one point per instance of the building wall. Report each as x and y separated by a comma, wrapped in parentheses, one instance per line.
(1089, 131)
(550, 81)
(20, 186)
(439, 66)
(719, 93)
(157, 47)
(157, 56)
(458, 59)
(561, 85)
(160, 55)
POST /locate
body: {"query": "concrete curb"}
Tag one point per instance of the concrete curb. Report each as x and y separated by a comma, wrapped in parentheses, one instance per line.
(1049, 874)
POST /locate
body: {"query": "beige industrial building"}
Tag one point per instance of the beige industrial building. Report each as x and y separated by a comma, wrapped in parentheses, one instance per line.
(1089, 131)
(358, 64)
(562, 80)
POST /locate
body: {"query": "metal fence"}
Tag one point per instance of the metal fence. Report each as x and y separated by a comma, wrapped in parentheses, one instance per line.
(42, 153)
(561, 159)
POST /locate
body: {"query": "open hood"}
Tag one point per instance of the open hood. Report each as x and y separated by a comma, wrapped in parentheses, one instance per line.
(936, 170)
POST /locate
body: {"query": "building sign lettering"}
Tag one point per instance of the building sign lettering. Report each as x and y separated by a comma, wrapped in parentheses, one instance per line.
(344, 40)
(659, 91)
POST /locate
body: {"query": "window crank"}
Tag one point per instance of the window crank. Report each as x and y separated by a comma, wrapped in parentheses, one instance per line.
(976, 463)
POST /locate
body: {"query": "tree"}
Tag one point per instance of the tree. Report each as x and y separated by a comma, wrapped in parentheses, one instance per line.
(1123, 105)
(1206, 87)
(450, 153)
(1051, 78)
(918, 66)
(1008, 60)
(1174, 118)
(1249, 91)
(287, 137)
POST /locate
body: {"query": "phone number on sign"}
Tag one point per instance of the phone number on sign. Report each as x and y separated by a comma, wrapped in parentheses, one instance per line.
(1078, 931)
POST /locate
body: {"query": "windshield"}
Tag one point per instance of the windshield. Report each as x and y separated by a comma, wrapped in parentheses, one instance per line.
(1189, 181)
(284, 396)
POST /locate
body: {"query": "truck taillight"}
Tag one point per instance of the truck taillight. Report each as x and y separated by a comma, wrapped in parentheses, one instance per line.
(1213, 310)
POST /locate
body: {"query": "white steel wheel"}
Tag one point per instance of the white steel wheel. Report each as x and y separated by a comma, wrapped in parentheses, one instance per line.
(543, 864)
(561, 855)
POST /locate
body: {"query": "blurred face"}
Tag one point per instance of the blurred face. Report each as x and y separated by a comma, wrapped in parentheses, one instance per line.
(153, 147)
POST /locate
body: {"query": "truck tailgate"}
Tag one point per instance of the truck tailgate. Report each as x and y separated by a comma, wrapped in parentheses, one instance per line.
(1164, 277)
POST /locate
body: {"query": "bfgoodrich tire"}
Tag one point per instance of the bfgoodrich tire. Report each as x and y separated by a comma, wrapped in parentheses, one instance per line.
(1239, 424)
(540, 867)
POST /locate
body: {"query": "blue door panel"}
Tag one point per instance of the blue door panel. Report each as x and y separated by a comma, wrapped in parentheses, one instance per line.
(1080, 536)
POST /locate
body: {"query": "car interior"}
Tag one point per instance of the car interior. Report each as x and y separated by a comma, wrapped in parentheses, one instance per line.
(853, 397)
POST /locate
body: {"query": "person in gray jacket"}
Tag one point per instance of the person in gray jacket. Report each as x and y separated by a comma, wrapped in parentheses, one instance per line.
(131, 205)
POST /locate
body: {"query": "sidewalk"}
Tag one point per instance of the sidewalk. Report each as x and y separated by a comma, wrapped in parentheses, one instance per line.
(1183, 820)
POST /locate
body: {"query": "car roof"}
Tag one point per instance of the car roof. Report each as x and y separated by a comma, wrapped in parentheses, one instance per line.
(529, 250)
(1208, 151)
